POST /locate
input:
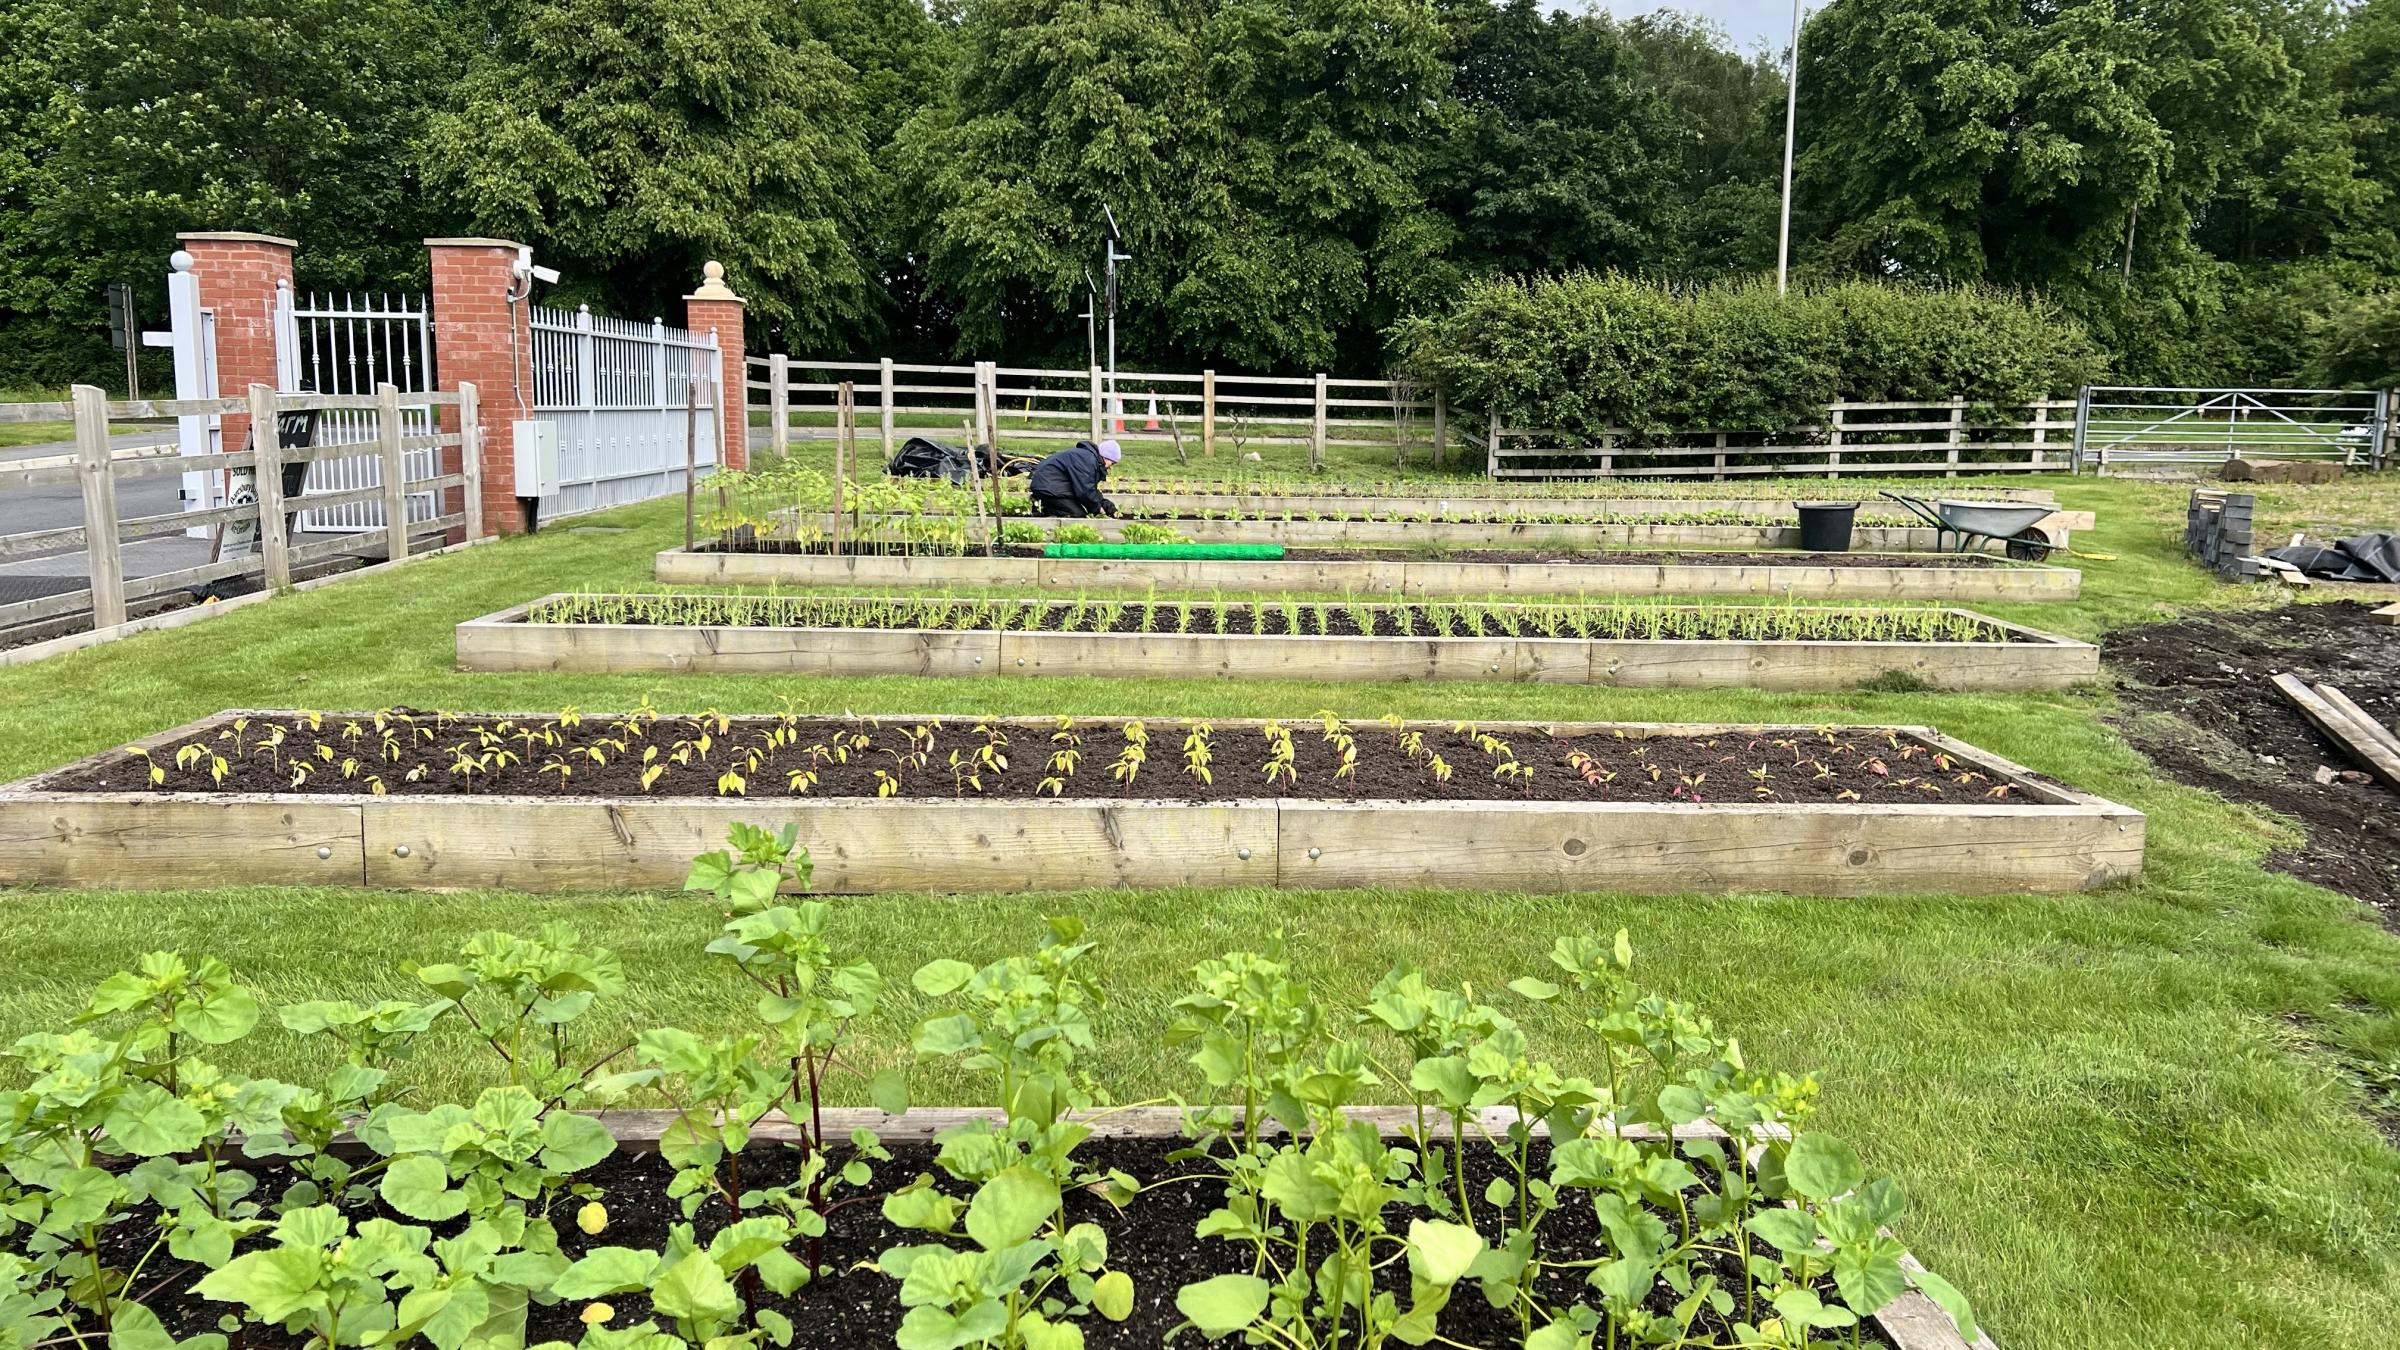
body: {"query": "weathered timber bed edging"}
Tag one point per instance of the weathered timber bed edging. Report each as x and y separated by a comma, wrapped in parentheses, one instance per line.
(1394, 577)
(1626, 536)
(1596, 509)
(2062, 840)
(505, 641)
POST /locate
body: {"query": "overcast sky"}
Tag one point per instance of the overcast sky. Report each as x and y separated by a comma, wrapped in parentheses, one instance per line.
(1747, 22)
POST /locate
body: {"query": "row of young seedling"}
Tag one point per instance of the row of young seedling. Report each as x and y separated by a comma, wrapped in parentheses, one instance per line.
(142, 1174)
(776, 502)
(645, 752)
(1615, 620)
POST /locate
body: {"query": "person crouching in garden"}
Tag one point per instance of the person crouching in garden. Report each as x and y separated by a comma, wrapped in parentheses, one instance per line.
(1068, 483)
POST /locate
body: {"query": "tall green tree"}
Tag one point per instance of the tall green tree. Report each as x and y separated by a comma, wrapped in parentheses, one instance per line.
(1562, 154)
(127, 121)
(2056, 145)
(632, 140)
(1724, 120)
(1262, 156)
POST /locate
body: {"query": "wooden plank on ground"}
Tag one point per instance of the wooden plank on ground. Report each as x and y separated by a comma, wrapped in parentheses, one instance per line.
(2366, 720)
(2387, 614)
(2357, 741)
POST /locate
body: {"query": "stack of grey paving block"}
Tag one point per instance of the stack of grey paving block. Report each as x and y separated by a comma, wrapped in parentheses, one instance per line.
(2217, 531)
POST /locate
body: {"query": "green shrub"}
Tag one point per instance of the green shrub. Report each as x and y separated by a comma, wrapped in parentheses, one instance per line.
(1588, 352)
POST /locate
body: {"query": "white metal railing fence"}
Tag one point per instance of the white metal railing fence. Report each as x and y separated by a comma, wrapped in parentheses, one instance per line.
(622, 394)
(260, 514)
(1196, 415)
(2134, 427)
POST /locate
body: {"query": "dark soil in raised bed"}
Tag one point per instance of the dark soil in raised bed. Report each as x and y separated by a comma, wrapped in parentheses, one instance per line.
(1151, 1240)
(1862, 765)
(2206, 711)
(1686, 558)
(1172, 618)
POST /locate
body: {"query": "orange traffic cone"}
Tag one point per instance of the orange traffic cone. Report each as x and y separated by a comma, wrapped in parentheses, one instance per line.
(1152, 424)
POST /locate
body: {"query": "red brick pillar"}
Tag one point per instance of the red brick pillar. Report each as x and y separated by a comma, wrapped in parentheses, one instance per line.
(715, 306)
(479, 338)
(239, 274)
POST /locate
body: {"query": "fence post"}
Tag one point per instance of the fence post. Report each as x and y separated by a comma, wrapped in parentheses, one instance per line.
(691, 453)
(2041, 434)
(981, 429)
(96, 470)
(779, 404)
(266, 441)
(1719, 474)
(2083, 408)
(1833, 441)
(1095, 405)
(658, 389)
(395, 471)
(1608, 457)
(1441, 427)
(1208, 414)
(470, 460)
(1316, 438)
(887, 409)
(587, 380)
(1491, 449)
(1958, 435)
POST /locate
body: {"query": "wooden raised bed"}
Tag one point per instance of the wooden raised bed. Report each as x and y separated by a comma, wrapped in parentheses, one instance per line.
(2058, 840)
(1912, 1321)
(2058, 524)
(505, 641)
(1400, 575)
(1628, 536)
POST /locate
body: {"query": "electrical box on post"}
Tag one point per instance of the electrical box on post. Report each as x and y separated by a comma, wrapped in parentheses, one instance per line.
(537, 458)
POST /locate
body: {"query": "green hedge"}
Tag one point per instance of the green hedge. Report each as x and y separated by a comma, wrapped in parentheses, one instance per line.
(1587, 351)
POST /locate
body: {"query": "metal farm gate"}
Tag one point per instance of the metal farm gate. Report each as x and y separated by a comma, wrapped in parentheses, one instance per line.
(620, 393)
(349, 345)
(2126, 427)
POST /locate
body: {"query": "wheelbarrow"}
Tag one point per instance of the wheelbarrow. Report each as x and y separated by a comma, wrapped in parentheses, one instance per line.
(1957, 525)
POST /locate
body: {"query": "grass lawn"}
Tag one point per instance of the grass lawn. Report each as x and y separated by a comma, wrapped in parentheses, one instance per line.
(2129, 1120)
(13, 434)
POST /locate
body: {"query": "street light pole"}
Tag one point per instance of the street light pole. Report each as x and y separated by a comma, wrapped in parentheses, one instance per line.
(1109, 247)
(1791, 117)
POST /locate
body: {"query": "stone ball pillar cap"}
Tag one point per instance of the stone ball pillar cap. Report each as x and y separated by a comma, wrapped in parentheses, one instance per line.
(712, 284)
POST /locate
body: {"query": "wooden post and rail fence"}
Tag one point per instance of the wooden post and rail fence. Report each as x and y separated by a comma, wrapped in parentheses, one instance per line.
(97, 468)
(1213, 413)
(1202, 413)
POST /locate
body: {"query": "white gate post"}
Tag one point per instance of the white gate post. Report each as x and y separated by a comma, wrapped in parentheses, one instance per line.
(191, 332)
(287, 341)
(2083, 417)
(1095, 372)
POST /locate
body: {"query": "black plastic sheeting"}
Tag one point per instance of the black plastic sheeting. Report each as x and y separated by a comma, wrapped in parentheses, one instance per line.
(2361, 557)
(921, 458)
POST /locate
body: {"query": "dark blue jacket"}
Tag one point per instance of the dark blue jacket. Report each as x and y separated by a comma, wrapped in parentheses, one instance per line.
(1073, 473)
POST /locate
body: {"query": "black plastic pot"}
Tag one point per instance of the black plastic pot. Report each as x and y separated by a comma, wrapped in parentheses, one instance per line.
(1825, 526)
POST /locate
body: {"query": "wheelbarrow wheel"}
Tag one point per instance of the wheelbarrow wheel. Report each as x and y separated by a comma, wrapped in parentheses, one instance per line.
(2030, 546)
